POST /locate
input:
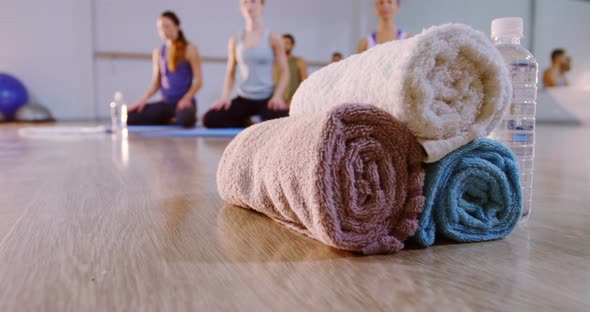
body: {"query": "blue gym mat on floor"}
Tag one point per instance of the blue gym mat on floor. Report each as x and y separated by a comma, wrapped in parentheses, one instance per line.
(194, 132)
(141, 129)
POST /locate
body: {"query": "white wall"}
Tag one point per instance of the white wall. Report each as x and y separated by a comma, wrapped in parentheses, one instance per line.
(320, 28)
(48, 46)
(415, 15)
(565, 24)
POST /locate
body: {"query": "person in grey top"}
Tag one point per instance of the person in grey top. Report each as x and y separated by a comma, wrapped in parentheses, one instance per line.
(254, 52)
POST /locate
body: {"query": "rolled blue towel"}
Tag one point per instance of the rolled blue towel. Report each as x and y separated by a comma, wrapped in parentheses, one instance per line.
(472, 195)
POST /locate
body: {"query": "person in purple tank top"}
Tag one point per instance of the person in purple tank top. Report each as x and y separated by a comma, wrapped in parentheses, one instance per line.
(177, 74)
(387, 29)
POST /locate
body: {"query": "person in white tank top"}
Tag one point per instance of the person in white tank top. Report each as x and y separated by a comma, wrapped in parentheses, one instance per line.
(387, 29)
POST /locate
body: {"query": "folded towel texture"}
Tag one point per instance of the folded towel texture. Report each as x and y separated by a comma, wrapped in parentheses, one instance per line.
(472, 195)
(350, 177)
(449, 84)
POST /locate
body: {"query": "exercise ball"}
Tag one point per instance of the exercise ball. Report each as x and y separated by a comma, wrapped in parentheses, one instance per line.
(13, 95)
(33, 113)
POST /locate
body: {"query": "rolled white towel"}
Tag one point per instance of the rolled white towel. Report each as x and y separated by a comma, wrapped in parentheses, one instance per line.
(449, 84)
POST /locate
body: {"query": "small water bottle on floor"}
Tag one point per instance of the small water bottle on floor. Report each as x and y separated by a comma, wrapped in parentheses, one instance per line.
(517, 130)
(118, 113)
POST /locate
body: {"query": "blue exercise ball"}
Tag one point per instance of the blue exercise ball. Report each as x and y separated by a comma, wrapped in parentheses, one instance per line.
(13, 95)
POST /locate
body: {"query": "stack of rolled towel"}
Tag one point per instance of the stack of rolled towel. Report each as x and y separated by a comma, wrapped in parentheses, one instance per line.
(409, 160)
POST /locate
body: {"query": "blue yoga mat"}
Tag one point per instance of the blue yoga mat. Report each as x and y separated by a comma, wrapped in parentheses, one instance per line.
(195, 132)
(141, 129)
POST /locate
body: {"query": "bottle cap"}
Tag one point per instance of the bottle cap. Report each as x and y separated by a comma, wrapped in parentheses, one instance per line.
(118, 96)
(508, 27)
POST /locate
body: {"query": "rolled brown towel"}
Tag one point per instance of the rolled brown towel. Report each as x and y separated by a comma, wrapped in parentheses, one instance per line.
(350, 177)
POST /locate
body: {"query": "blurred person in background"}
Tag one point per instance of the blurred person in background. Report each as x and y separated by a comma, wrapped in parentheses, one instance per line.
(554, 76)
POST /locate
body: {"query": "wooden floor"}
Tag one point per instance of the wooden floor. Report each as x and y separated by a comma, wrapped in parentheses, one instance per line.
(102, 224)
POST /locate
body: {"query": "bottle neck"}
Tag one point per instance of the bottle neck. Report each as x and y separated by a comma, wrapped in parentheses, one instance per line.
(507, 40)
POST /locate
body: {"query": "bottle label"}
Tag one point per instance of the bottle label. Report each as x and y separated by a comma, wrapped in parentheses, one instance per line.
(522, 132)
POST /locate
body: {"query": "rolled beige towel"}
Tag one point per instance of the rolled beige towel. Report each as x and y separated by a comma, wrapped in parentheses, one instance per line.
(350, 177)
(449, 84)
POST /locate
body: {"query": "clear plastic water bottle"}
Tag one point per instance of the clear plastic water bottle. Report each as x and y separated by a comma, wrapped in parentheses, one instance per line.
(118, 113)
(517, 131)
